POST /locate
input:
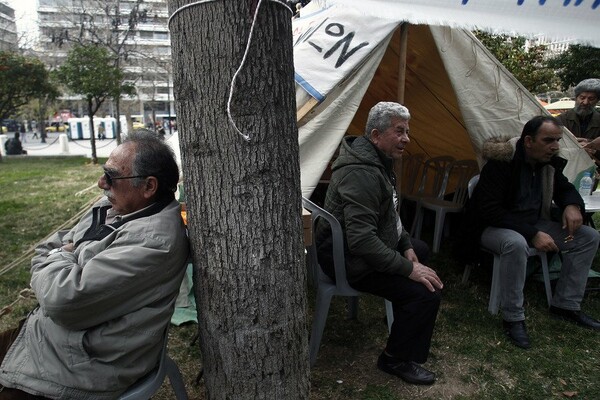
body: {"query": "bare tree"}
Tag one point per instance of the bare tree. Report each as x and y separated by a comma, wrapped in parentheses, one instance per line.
(244, 203)
(108, 24)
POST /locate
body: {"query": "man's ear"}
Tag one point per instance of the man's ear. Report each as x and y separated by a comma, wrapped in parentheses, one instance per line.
(150, 187)
(527, 141)
(375, 136)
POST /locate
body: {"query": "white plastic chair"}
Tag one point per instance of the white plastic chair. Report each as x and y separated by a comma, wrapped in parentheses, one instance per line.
(459, 172)
(494, 304)
(148, 385)
(430, 183)
(411, 170)
(326, 287)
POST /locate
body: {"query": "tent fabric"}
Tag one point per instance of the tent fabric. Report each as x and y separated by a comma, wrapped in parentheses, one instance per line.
(556, 19)
(323, 128)
(458, 95)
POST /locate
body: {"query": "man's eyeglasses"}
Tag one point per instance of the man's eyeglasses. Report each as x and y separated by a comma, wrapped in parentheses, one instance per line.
(109, 179)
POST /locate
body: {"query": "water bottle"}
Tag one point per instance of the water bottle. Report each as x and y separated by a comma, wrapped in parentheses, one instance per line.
(585, 184)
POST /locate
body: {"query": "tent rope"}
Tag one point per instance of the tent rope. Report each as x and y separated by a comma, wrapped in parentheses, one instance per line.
(24, 294)
(448, 39)
(233, 80)
(497, 79)
(67, 224)
(521, 102)
(474, 50)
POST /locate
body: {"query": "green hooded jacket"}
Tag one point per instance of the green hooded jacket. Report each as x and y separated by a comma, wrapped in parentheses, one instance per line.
(361, 197)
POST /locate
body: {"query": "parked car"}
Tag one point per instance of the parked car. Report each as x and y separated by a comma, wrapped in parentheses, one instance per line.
(9, 125)
(57, 127)
(138, 125)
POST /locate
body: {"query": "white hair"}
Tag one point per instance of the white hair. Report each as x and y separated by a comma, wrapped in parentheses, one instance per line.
(380, 116)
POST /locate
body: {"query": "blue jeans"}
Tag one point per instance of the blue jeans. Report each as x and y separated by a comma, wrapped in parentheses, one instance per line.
(577, 257)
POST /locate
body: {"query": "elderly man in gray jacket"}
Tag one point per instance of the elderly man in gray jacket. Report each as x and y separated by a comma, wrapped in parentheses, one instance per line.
(106, 289)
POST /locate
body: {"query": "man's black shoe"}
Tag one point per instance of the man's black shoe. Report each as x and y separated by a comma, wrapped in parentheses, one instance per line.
(408, 371)
(517, 333)
(577, 317)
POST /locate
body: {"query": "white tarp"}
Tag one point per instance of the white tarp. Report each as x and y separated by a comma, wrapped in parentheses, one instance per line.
(323, 129)
(331, 47)
(458, 94)
(558, 19)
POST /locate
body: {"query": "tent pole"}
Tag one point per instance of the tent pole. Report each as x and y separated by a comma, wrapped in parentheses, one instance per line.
(402, 61)
(401, 88)
(306, 108)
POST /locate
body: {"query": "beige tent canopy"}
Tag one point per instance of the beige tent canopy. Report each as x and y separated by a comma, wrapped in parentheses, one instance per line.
(458, 94)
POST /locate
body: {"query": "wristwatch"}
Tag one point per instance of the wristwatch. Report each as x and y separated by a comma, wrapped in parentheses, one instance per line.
(54, 251)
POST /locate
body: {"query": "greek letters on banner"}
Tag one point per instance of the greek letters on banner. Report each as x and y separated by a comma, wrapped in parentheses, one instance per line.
(329, 44)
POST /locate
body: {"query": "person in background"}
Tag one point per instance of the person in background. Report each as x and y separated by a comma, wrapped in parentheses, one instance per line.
(511, 209)
(584, 119)
(106, 289)
(101, 132)
(380, 257)
(13, 146)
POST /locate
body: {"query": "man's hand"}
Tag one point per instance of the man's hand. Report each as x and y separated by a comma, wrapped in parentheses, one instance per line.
(572, 219)
(425, 275)
(594, 144)
(410, 255)
(544, 242)
(69, 247)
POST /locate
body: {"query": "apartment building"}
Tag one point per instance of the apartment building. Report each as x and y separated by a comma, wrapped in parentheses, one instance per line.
(554, 46)
(8, 28)
(135, 30)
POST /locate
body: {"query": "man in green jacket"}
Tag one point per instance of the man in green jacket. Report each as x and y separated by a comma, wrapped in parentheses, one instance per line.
(380, 258)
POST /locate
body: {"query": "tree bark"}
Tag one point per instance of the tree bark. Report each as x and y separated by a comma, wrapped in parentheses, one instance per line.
(243, 197)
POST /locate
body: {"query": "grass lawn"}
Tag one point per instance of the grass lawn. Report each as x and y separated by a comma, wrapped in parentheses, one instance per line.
(469, 353)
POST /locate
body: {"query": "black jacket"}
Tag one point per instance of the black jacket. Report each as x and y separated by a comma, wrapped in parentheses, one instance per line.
(496, 193)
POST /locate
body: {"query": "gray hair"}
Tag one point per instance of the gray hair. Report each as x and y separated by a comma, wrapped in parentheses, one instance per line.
(588, 85)
(380, 116)
(153, 157)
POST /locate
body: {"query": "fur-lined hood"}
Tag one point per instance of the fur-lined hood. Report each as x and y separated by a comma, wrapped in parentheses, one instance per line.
(500, 148)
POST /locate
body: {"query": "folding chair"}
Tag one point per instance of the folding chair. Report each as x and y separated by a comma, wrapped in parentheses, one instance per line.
(326, 287)
(148, 385)
(494, 304)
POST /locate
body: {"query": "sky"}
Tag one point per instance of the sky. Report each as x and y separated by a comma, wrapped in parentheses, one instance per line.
(26, 18)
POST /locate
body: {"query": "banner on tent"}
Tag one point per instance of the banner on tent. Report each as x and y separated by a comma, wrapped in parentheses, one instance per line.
(331, 44)
(555, 19)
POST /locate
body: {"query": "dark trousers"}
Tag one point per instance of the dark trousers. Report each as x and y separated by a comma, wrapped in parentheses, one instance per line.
(7, 338)
(415, 309)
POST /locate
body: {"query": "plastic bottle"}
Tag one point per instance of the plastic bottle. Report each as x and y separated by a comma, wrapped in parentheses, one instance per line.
(585, 184)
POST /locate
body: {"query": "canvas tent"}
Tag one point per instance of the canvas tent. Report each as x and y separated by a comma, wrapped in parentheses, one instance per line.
(458, 94)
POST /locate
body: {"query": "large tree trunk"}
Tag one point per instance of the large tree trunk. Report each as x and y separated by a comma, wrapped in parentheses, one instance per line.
(244, 201)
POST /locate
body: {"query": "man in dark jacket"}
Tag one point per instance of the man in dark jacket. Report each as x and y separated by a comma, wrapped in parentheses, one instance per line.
(511, 210)
(380, 258)
(13, 146)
